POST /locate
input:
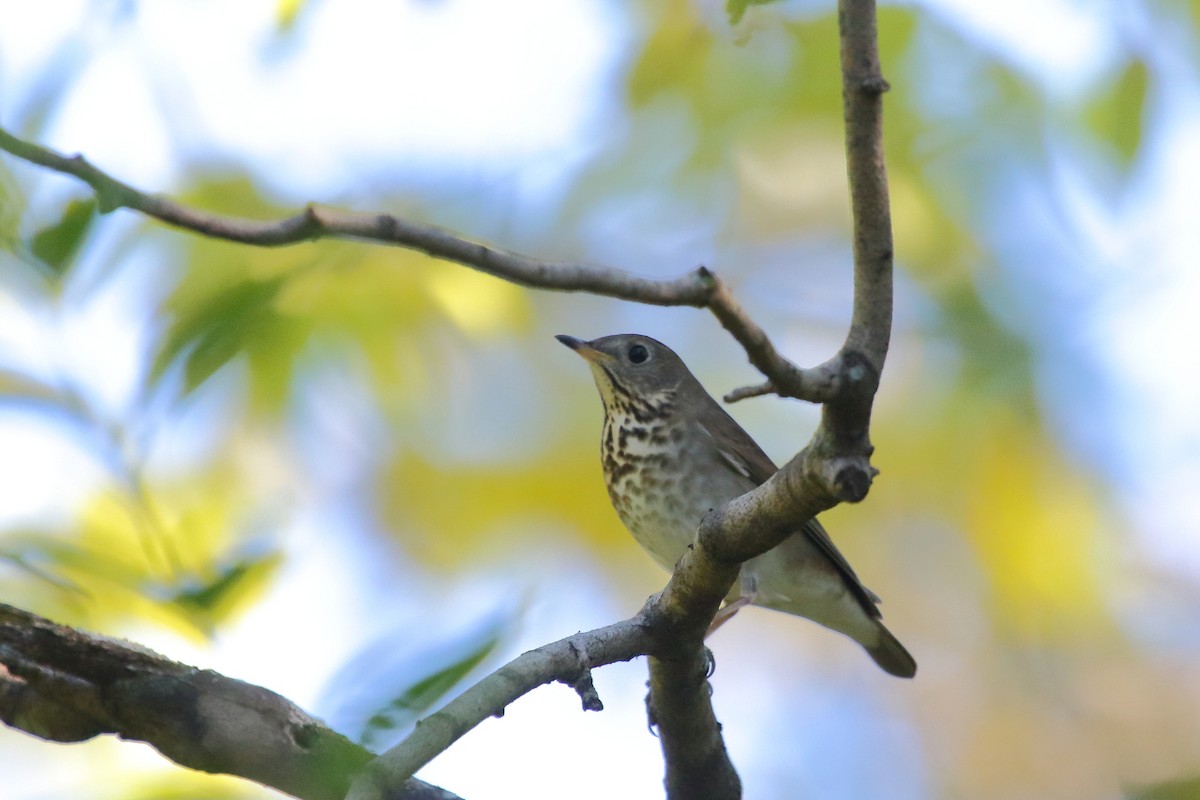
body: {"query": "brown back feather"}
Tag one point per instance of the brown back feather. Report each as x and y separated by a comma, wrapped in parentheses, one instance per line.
(739, 449)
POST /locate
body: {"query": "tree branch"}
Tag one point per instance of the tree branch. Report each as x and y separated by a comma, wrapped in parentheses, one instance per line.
(64, 685)
(670, 627)
(862, 105)
(835, 466)
(697, 764)
(700, 288)
(838, 459)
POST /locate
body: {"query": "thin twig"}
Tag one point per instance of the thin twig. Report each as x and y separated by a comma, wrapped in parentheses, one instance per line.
(746, 392)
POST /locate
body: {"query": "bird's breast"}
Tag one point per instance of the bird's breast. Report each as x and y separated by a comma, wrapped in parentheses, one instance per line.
(661, 484)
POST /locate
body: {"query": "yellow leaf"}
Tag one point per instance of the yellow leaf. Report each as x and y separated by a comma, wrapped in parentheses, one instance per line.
(790, 177)
(478, 304)
(674, 55)
(448, 513)
(286, 12)
(1036, 524)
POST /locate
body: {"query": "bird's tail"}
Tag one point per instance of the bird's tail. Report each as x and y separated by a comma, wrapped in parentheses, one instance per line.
(890, 655)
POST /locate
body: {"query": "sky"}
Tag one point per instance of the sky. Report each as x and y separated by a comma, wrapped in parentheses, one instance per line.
(465, 71)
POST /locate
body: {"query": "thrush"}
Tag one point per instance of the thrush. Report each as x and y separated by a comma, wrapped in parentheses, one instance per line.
(670, 454)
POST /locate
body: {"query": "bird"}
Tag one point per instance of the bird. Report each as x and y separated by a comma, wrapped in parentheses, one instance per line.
(670, 453)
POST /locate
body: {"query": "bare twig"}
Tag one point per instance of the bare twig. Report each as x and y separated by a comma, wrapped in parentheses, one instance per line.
(699, 288)
(746, 392)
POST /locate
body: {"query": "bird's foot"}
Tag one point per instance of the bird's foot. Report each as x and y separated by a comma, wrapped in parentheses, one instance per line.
(726, 612)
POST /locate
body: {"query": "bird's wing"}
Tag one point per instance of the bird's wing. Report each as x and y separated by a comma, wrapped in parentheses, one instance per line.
(817, 534)
(740, 452)
(743, 455)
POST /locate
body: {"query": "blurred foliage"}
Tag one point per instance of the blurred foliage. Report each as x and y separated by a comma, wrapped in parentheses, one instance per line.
(379, 695)
(736, 9)
(287, 12)
(1173, 790)
(57, 244)
(12, 206)
(1116, 114)
(418, 698)
(457, 510)
(187, 786)
(998, 549)
(171, 554)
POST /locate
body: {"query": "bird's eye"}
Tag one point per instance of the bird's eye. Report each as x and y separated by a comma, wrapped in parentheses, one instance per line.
(638, 353)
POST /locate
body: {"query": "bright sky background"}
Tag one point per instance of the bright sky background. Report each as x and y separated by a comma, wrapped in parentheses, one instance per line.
(478, 85)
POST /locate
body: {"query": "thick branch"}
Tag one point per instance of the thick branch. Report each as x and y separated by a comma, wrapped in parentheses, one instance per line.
(836, 465)
(63, 685)
(862, 104)
(697, 763)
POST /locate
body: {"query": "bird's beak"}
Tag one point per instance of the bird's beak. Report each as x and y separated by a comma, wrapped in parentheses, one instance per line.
(584, 349)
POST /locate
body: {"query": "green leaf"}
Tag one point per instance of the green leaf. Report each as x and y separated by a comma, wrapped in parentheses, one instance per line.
(998, 361)
(1116, 114)
(56, 245)
(674, 57)
(215, 329)
(388, 685)
(1184, 789)
(12, 206)
(736, 9)
(211, 602)
(419, 697)
(27, 560)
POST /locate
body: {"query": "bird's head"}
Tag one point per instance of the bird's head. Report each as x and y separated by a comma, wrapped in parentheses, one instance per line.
(631, 369)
